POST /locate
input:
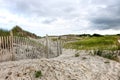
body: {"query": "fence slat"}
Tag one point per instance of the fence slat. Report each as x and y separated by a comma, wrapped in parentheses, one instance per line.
(4, 42)
(0, 43)
(47, 46)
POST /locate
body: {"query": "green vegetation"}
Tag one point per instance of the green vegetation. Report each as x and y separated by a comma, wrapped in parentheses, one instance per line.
(54, 39)
(98, 52)
(112, 55)
(4, 32)
(99, 44)
(38, 74)
(17, 31)
(93, 43)
(77, 55)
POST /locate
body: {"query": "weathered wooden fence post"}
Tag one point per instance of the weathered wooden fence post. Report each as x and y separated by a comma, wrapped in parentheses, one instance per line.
(59, 46)
(0, 43)
(47, 46)
(0, 48)
(11, 41)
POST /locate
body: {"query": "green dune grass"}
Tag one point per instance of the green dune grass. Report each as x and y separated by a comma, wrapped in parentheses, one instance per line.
(90, 43)
(4, 32)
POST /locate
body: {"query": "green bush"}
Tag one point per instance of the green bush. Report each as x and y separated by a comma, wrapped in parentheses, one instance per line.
(109, 56)
(98, 52)
(38, 74)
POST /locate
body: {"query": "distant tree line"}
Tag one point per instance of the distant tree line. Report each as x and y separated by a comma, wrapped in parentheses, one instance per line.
(89, 35)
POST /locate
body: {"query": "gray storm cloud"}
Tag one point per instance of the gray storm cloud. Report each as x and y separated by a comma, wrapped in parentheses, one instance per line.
(102, 14)
(44, 8)
(107, 17)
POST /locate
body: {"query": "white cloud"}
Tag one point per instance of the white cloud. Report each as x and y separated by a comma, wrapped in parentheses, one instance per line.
(60, 16)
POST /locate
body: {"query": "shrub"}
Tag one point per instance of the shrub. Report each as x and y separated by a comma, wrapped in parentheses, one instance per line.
(109, 56)
(98, 52)
(38, 74)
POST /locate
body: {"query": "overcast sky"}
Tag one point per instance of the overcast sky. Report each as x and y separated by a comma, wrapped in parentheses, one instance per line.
(56, 17)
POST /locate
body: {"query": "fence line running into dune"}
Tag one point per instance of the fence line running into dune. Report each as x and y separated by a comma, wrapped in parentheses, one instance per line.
(16, 48)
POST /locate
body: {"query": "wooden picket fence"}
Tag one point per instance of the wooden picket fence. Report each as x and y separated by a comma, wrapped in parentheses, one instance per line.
(17, 48)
